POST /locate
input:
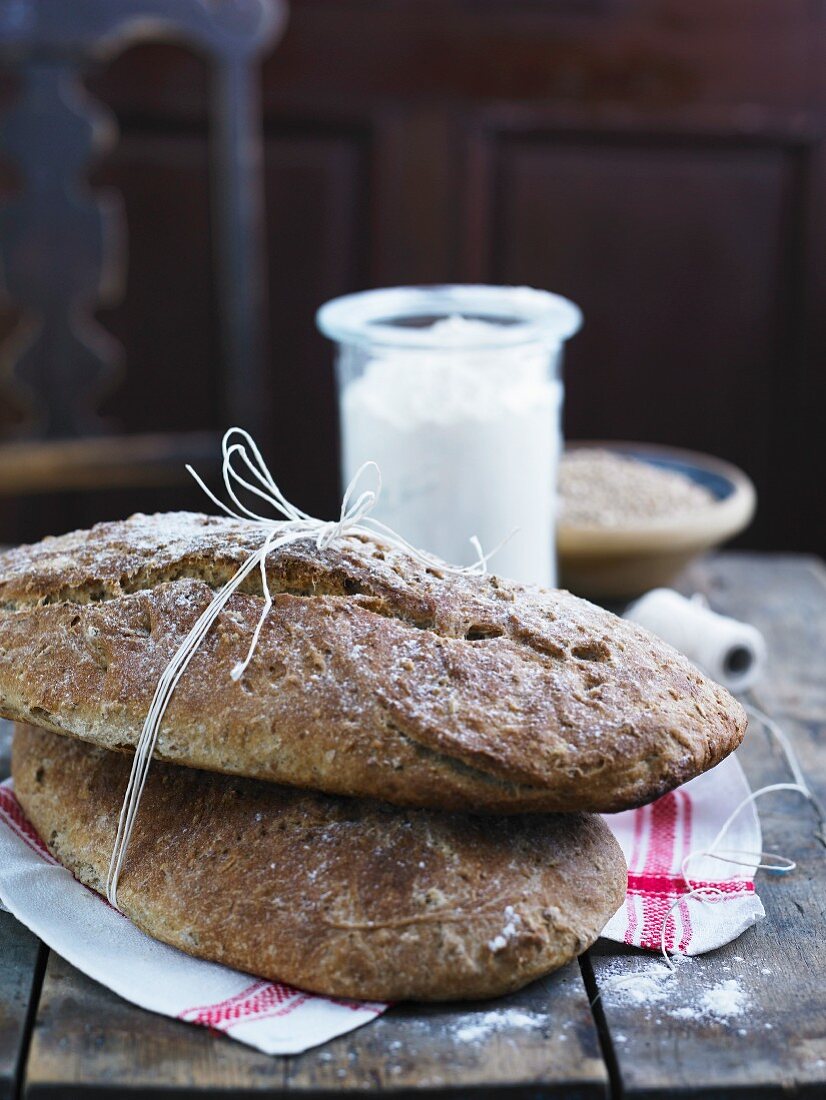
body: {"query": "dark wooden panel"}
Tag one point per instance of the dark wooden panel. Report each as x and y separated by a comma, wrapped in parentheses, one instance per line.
(416, 200)
(802, 407)
(153, 81)
(11, 409)
(167, 321)
(317, 240)
(653, 54)
(318, 243)
(777, 1048)
(680, 252)
(416, 75)
(649, 52)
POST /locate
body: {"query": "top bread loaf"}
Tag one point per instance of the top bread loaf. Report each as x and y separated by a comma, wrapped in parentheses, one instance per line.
(374, 676)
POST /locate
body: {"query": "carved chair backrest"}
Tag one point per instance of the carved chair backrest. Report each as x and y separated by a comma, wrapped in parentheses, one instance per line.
(61, 244)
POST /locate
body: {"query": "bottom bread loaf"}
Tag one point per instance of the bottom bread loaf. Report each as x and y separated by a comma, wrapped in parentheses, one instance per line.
(338, 896)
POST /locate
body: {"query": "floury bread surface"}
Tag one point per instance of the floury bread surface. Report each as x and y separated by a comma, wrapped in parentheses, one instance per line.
(374, 676)
(340, 896)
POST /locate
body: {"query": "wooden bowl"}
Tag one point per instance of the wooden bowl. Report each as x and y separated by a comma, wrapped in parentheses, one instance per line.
(623, 562)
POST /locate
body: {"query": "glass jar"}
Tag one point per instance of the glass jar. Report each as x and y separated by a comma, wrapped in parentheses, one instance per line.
(456, 393)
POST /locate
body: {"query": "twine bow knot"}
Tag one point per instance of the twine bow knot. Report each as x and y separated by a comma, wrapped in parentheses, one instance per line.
(244, 468)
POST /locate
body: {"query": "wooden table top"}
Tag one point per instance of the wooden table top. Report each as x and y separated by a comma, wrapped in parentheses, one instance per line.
(62, 1035)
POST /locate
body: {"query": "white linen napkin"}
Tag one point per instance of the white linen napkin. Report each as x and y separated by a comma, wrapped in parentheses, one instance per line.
(656, 838)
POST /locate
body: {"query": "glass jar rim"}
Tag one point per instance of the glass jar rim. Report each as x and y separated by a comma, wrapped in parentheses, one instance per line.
(526, 316)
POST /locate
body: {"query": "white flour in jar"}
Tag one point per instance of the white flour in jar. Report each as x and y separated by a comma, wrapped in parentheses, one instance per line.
(468, 441)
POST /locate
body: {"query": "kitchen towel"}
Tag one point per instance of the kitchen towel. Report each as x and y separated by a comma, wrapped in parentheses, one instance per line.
(657, 838)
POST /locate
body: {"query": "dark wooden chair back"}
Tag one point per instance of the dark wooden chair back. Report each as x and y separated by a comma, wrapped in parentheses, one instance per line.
(62, 245)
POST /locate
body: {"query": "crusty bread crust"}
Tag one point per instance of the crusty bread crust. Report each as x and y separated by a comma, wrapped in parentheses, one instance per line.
(338, 896)
(373, 677)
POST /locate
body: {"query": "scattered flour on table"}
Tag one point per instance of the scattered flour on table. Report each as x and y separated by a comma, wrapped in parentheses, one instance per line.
(487, 1023)
(473, 1027)
(724, 1000)
(672, 995)
(645, 988)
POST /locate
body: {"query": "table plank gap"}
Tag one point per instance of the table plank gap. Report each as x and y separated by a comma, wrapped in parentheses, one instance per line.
(606, 1045)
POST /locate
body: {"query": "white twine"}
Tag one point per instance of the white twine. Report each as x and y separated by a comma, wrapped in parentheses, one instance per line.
(253, 476)
(779, 864)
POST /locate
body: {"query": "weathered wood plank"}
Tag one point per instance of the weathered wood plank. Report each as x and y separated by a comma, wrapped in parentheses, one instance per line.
(20, 971)
(777, 1046)
(540, 1042)
(87, 1039)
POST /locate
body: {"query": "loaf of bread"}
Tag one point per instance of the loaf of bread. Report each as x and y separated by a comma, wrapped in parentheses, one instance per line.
(374, 676)
(334, 895)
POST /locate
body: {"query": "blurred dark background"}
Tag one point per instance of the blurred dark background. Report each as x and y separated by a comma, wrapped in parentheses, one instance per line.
(660, 162)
